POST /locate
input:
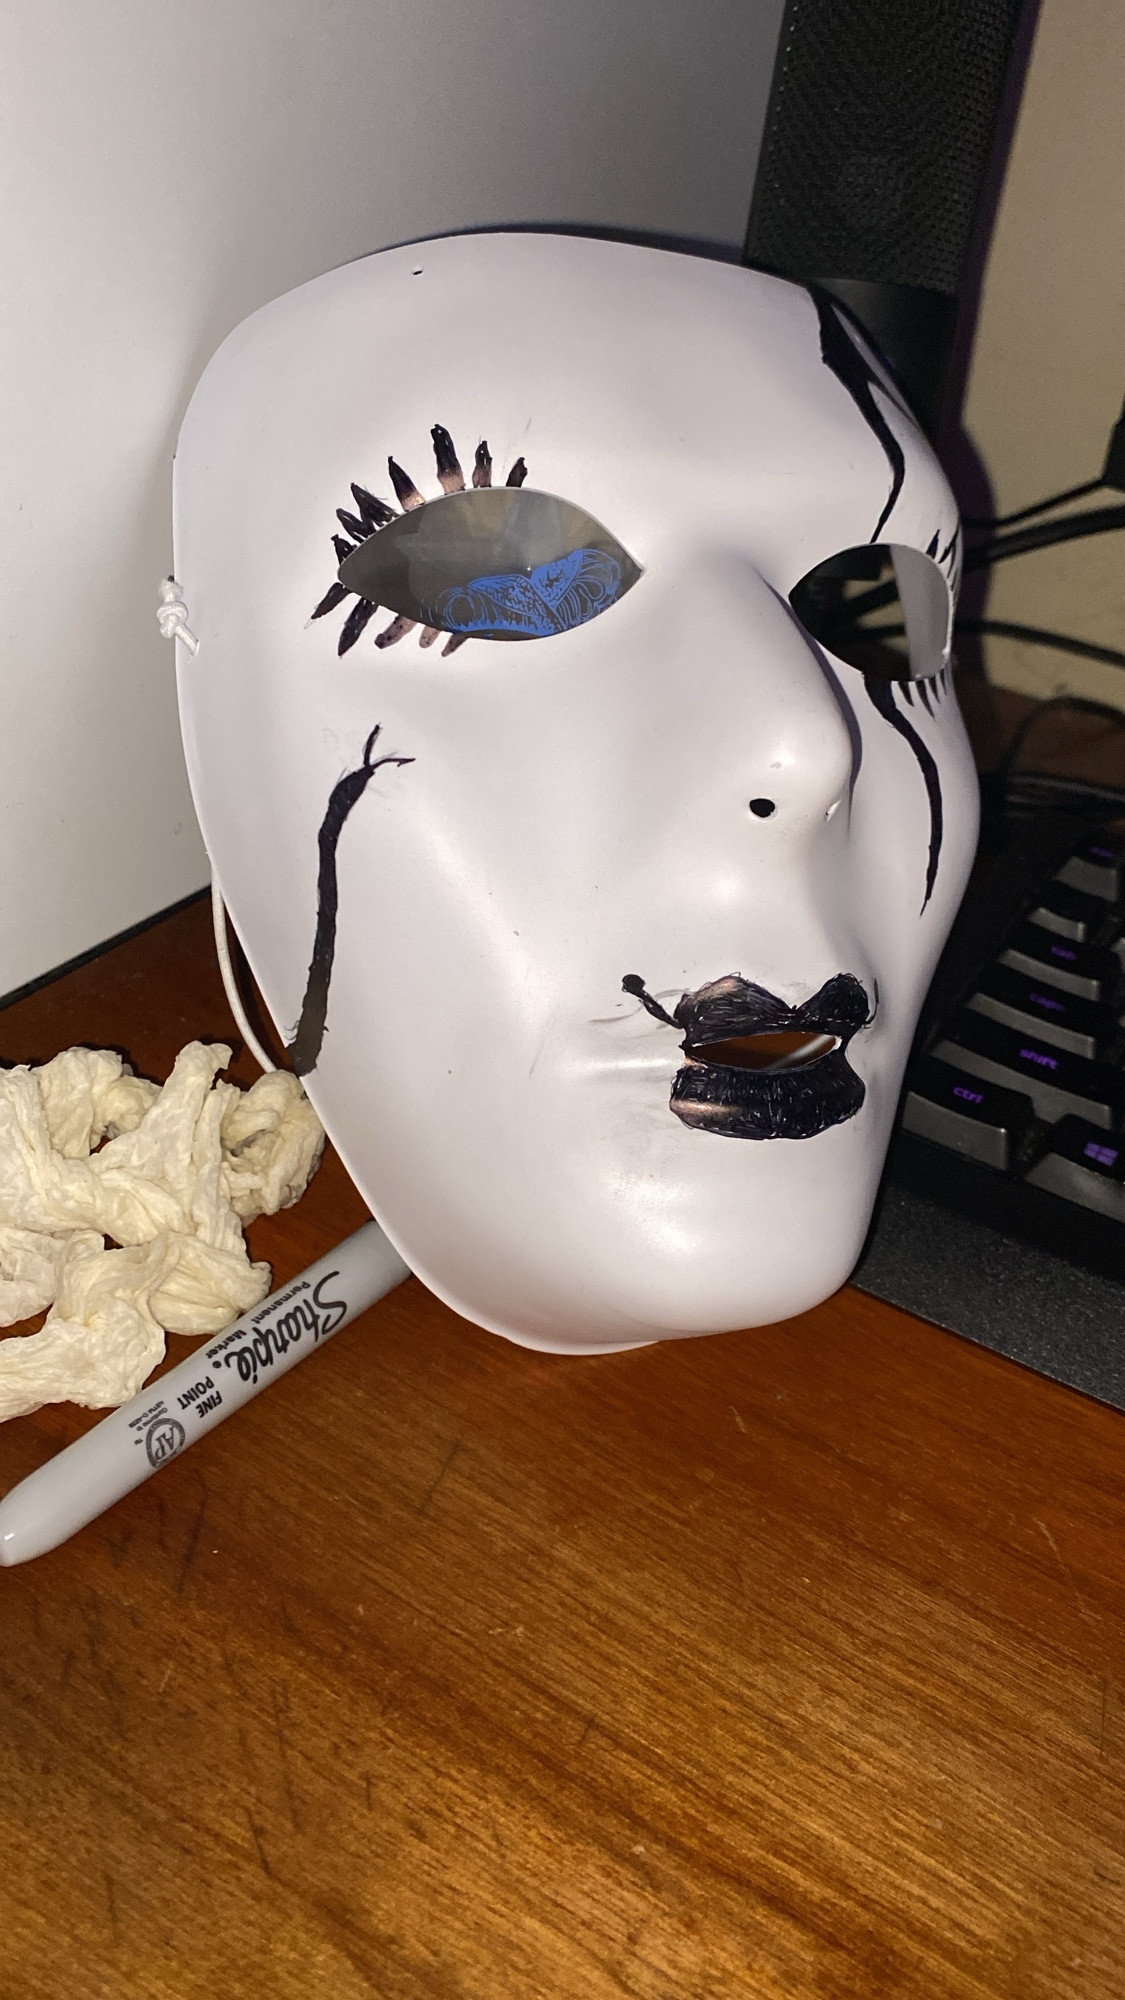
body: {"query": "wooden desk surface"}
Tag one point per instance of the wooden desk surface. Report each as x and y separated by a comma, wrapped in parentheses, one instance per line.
(784, 1663)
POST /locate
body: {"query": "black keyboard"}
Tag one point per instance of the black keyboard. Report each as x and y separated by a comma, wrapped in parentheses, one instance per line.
(1003, 1206)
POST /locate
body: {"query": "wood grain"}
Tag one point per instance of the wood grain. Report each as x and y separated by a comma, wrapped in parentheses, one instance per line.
(780, 1664)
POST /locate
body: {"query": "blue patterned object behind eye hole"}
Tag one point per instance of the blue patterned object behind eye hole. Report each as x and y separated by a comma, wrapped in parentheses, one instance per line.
(533, 605)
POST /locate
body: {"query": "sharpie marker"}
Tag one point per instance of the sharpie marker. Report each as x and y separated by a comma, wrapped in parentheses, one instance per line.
(126, 1448)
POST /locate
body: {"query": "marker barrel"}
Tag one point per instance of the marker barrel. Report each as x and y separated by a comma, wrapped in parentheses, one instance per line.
(126, 1448)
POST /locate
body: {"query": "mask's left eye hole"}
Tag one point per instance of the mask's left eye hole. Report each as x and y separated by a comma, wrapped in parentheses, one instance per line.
(493, 563)
(886, 609)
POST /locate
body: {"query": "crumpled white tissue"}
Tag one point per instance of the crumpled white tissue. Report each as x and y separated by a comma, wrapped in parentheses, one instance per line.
(182, 1168)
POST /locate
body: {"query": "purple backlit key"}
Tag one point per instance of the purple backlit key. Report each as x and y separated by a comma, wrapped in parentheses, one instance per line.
(1058, 1083)
(1082, 1165)
(1095, 868)
(970, 1117)
(1084, 970)
(1080, 919)
(1061, 1020)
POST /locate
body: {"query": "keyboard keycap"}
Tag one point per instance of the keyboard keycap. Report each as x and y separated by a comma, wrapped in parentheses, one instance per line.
(1084, 1165)
(954, 1109)
(1069, 914)
(1081, 969)
(1036, 1008)
(1097, 868)
(1057, 1083)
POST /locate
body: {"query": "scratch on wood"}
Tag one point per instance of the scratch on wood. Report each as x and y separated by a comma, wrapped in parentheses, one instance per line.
(1090, 1617)
(116, 1697)
(247, 1753)
(92, 1615)
(229, 1667)
(193, 1543)
(266, 1869)
(585, 1732)
(446, 1463)
(118, 1546)
(283, 1754)
(738, 1420)
(164, 1682)
(390, 1692)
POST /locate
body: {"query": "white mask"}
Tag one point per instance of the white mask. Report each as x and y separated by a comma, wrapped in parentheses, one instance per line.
(675, 818)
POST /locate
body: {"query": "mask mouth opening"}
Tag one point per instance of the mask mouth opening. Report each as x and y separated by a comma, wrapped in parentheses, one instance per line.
(767, 1053)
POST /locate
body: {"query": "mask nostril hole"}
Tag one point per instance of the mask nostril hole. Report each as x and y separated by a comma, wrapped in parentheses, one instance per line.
(762, 808)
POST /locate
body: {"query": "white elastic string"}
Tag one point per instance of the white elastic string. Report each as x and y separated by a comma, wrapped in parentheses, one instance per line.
(230, 984)
(172, 615)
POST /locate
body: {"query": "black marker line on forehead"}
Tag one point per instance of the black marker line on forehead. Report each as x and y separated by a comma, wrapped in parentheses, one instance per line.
(854, 372)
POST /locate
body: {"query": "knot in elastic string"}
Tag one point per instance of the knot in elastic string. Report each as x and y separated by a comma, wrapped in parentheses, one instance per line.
(172, 615)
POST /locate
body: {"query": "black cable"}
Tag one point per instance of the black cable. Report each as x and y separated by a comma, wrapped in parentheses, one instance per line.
(1032, 635)
(1004, 769)
(1002, 628)
(1098, 521)
(1033, 790)
(1040, 507)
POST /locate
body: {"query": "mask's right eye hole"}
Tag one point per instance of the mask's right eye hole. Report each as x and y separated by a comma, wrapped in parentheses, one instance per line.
(495, 563)
(885, 609)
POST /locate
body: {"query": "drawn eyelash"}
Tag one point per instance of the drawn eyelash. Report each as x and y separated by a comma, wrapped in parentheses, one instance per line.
(480, 562)
(373, 514)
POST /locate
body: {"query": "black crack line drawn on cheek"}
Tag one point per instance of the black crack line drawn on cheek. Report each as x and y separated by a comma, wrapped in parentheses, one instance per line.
(851, 368)
(882, 697)
(304, 1049)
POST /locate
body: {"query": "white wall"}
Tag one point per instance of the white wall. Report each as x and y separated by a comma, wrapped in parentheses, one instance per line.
(1048, 365)
(165, 167)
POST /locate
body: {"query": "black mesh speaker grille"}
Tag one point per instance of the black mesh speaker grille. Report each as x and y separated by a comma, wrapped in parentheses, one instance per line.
(877, 137)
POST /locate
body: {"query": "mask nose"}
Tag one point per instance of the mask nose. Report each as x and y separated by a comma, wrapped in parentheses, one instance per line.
(765, 732)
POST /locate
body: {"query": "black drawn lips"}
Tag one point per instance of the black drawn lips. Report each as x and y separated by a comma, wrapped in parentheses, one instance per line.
(818, 1089)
